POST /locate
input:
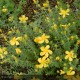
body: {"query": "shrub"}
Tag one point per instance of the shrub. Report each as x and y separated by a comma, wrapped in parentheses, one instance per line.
(48, 45)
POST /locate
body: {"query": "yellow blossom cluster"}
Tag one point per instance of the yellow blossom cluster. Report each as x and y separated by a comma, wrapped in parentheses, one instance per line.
(46, 4)
(3, 52)
(15, 41)
(54, 27)
(4, 9)
(78, 42)
(68, 72)
(45, 51)
(35, 1)
(58, 58)
(10, 18)
(63, 38)
(65, 26)
(41, 39)
(22, 18)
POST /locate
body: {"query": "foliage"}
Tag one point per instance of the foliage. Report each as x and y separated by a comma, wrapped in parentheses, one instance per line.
(48, 45)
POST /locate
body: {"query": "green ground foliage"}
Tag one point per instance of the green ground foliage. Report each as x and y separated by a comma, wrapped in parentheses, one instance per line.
(40, 37)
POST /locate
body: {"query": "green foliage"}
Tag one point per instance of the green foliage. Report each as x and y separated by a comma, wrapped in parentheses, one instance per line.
(48, 45)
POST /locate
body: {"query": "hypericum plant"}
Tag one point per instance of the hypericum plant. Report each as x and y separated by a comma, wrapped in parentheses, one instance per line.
(49, 45)
(61, 25)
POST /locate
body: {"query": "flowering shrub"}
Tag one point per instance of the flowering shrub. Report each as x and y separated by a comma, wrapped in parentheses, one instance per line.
(47, 45)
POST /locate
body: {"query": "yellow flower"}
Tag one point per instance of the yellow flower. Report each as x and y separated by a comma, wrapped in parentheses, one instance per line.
(64, 64)
(43, 62)
(70, 72)
(42, 39)
(54, 27)
(1, 56)
(45, 38)
(10, 18)
(38, 40)
(64, 12)
(23, 19)
(3, 51)
(36, 29)
(35, 1)
(35, 11)
(14, 41)
(4, 9)
(19, 38)
(47, 19)
(64, 26)
(58, 58)
(62, 72)
(49, 10)
(72, 37)
(0, 30)
(18, 51)
(18, 75)
(46, 4)
(63, 32)
(70, 55)
(78, 42)
(45, 51)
